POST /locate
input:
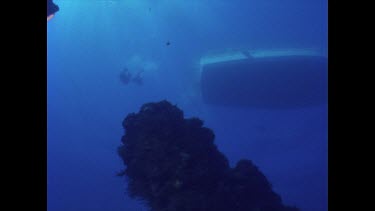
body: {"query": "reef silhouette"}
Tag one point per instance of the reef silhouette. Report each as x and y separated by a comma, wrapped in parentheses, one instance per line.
(172, 164)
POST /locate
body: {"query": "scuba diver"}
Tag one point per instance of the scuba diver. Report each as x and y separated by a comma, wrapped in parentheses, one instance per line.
(52, 8)
(126, 77)
(138, 78)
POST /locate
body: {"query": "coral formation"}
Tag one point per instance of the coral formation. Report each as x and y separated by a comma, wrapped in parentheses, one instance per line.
(172, 164)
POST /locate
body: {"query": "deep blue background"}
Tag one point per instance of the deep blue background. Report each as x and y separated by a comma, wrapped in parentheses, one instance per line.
(91, 41)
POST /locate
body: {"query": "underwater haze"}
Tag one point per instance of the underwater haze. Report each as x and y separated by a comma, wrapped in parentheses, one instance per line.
(90, 43)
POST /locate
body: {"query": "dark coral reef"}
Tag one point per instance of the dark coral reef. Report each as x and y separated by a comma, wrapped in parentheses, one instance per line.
(172, 164)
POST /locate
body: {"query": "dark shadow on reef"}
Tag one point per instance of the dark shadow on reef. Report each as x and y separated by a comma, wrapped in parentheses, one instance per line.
(172, 164)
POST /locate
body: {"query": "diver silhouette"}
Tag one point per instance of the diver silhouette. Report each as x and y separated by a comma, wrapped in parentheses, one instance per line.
(126, 77)
(52, 8)
(138, 78)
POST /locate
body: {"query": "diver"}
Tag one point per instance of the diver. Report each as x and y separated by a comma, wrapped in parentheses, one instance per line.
(52, 8)
(125, 76)
(138, 78)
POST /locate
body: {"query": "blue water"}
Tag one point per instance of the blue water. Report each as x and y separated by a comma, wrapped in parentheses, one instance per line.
(91, 41)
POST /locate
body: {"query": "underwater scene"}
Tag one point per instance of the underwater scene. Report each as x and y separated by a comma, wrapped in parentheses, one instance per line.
(199, 105)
